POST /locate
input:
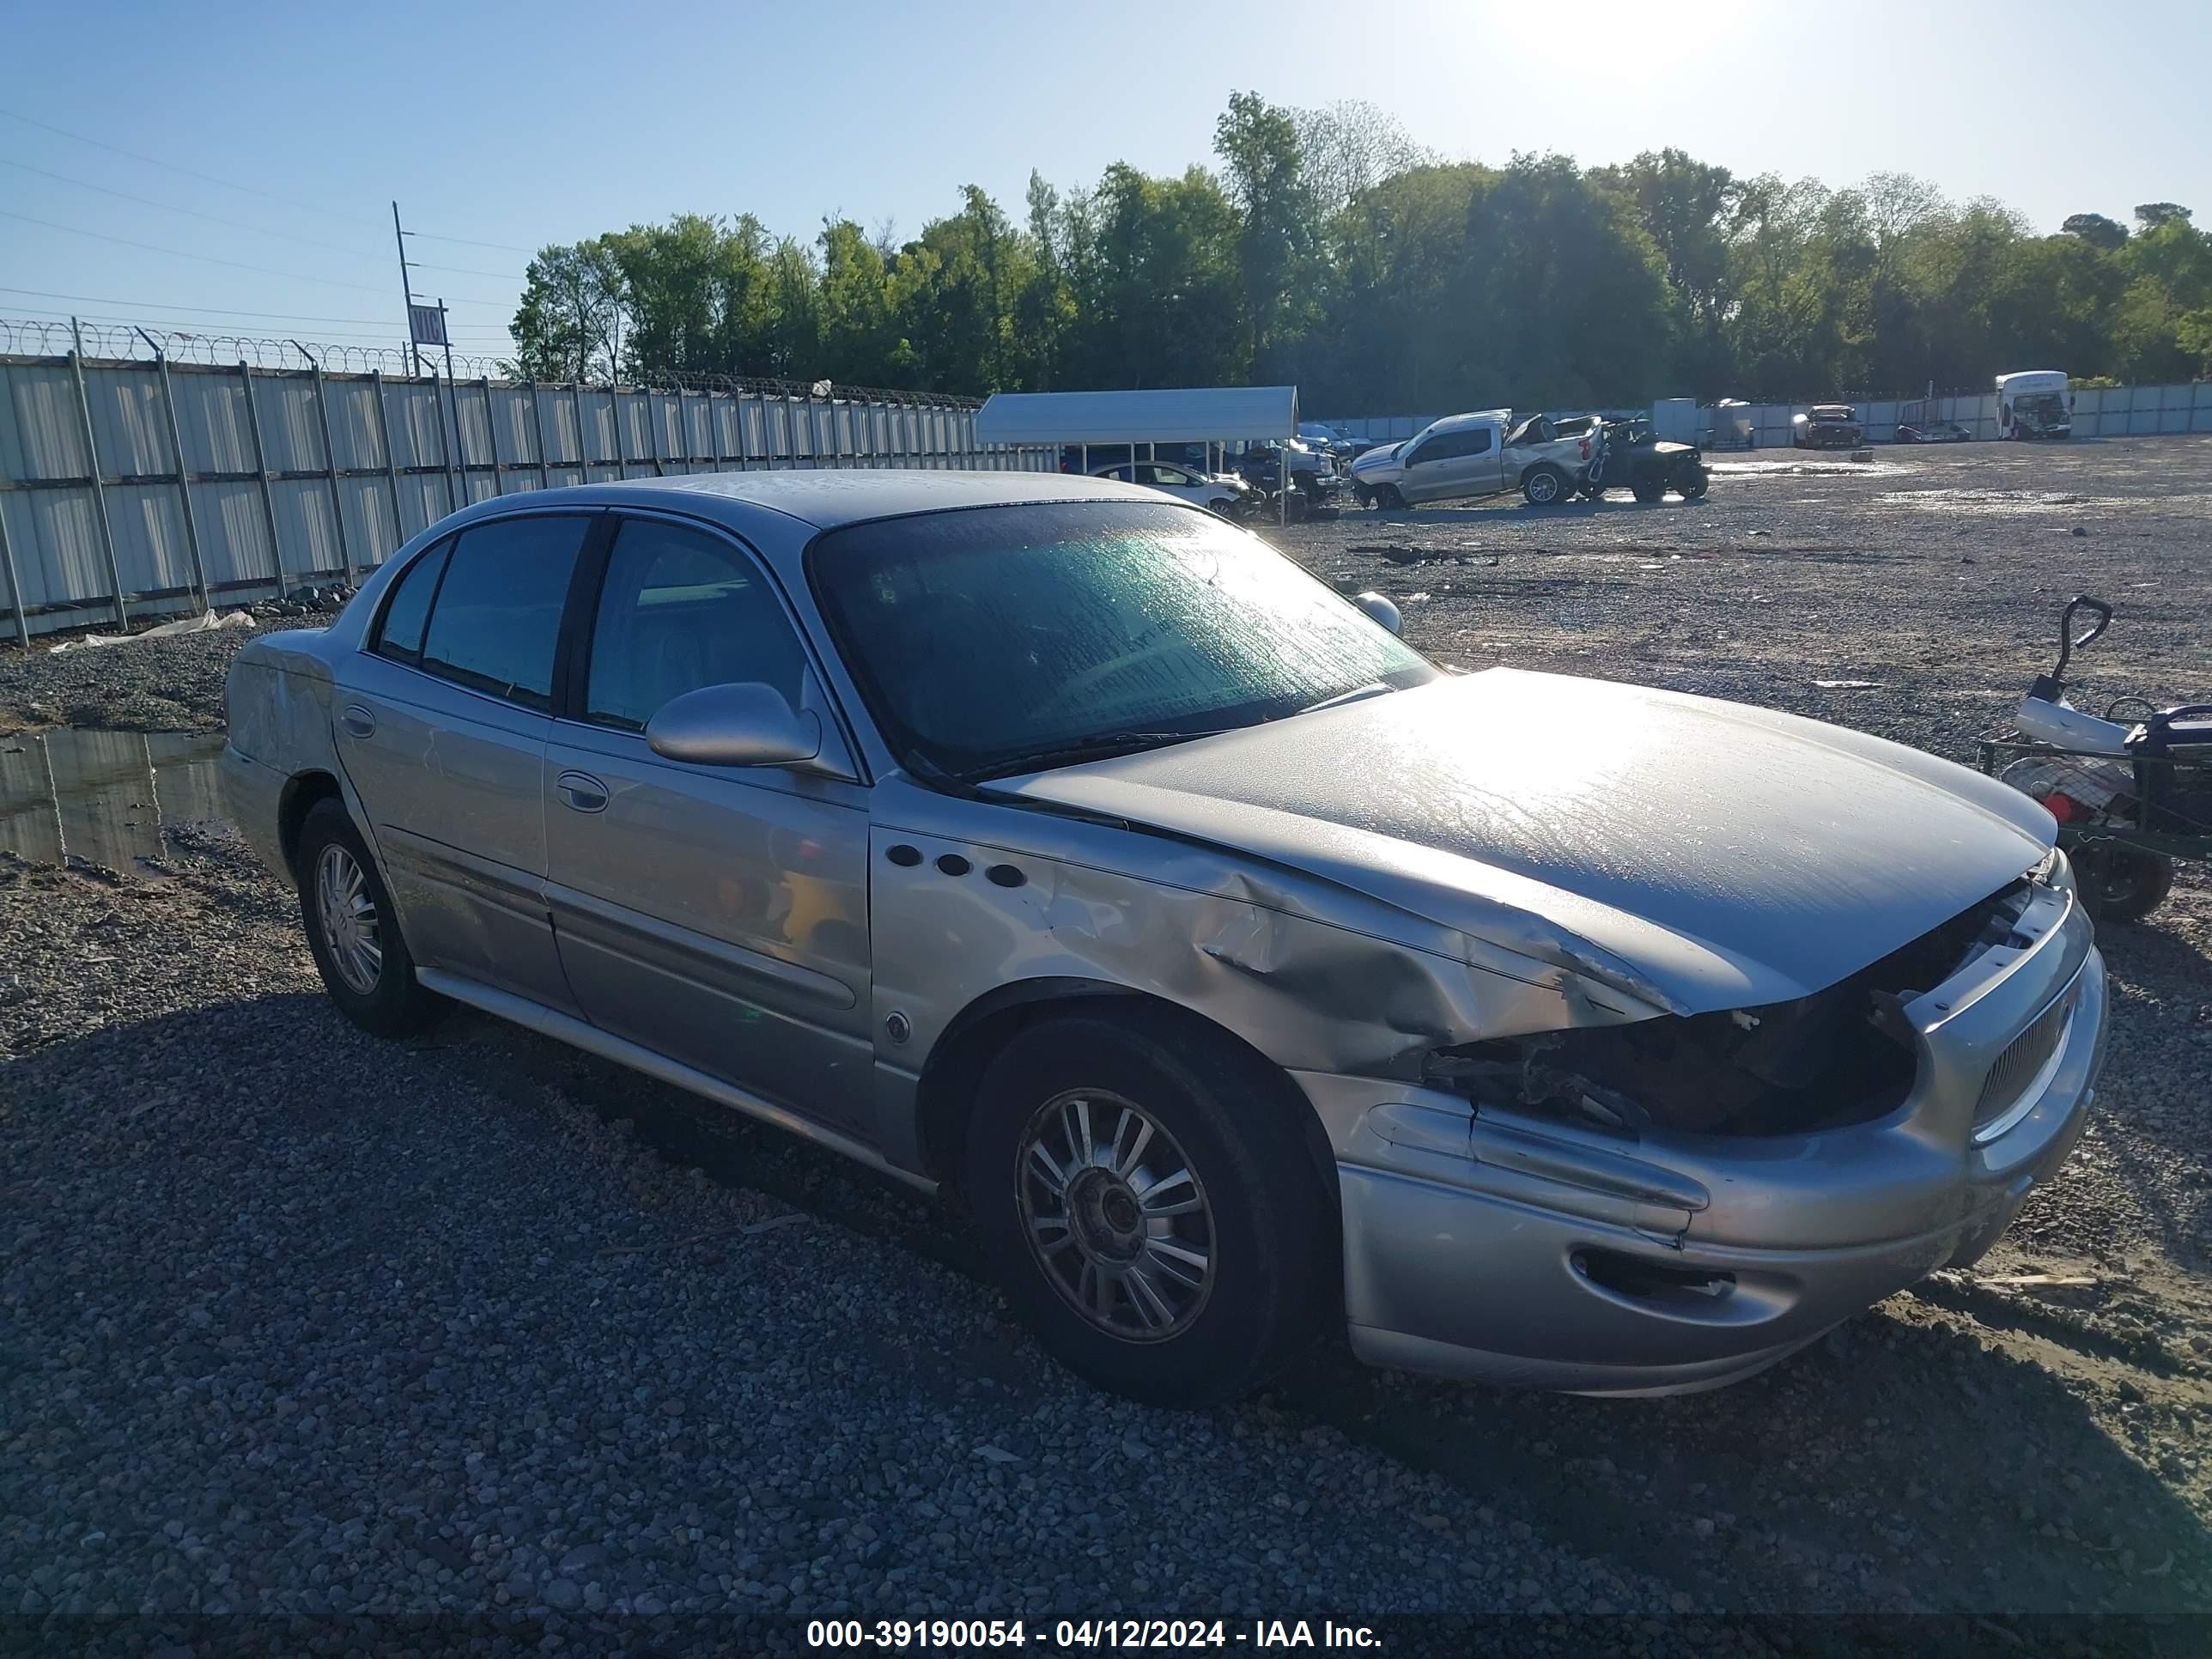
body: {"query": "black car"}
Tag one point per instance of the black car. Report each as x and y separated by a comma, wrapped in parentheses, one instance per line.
(1631, 457)
(1828, 426)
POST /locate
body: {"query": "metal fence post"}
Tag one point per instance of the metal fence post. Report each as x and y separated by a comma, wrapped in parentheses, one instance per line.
(14, 581)
(457, 478)
(537, 424)
(492, 423)
(583, 449)
(622, 438)
(331, 473)
(183, 483)
(652, 433)
(715, 430)
(98, 490)
(261, 466)
(391, 464)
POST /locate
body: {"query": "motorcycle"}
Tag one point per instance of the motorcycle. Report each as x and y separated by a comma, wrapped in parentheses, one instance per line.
(2131, 794)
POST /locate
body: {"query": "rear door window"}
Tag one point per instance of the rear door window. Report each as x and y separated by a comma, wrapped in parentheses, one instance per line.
(497, 619)
(400, 636)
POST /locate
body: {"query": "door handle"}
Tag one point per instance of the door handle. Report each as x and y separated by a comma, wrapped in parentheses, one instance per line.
(582, 791)
(357, 721)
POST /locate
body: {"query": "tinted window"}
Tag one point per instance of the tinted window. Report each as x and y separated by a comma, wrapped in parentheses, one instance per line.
(681, 609)
(498, 613)
(401, 636)
(1450, 445)
(984, 636)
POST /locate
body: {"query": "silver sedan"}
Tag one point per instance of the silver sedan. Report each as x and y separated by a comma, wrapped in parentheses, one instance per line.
(1048, 840)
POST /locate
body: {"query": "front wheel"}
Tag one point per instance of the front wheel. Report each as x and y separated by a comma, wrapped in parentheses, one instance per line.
(352, 931)
(1386, 497)
(1150, 1205)
(1647, 490)
(1695, 487)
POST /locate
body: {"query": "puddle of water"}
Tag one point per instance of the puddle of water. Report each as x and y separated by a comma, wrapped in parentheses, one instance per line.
(104, 797)
(1988, 503)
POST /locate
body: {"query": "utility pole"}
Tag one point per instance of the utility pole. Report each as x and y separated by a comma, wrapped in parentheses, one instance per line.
(406, 288)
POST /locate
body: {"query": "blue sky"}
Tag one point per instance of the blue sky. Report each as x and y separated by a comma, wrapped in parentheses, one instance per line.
(512, 125)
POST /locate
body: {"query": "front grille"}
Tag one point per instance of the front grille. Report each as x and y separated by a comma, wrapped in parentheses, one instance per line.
(2024, 1057)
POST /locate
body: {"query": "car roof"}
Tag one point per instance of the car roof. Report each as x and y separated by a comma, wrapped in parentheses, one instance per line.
(1473, 418)
(823, 497)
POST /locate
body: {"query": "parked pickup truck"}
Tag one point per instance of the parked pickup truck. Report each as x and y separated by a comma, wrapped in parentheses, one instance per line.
(1484, 454)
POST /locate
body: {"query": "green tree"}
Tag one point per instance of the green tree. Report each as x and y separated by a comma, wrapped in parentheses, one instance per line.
(2096, 230)
(569, 326)
(1258, 144)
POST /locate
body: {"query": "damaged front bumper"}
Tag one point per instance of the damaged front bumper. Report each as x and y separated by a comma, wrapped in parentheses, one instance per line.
(1515, 1248)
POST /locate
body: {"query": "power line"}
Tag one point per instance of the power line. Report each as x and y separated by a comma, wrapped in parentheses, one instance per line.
(208, 258)
(240, 224)
(214, 311)
(154, 161)
(208, 178)
(166, 207)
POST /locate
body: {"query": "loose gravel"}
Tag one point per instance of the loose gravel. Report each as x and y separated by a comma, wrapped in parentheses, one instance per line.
(306, 1340)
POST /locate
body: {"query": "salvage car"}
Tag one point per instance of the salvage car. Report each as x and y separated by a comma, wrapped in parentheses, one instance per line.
(1225, 494)
(1826, 426)
(1483, 452)
(1045, 840)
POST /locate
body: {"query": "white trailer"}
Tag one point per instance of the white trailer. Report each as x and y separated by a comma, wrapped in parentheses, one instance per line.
(2035, 402)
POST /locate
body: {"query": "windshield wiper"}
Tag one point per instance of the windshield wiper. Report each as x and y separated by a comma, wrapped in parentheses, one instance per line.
(1358, 694)
(1097, 746)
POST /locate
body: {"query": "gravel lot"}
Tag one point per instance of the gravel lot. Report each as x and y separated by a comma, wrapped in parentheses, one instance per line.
(301, 1333)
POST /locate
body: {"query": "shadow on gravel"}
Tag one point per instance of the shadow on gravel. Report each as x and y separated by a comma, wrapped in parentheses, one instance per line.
(2165, 976)
(1898, 1466)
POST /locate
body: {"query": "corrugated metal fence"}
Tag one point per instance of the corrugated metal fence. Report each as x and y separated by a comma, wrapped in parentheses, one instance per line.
(291, 477)
(2112, 412)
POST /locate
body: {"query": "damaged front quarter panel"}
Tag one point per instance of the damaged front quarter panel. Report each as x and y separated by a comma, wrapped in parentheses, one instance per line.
(1324, 981)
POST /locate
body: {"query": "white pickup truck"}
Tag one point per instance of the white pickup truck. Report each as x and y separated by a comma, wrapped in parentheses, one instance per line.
(1484, 454)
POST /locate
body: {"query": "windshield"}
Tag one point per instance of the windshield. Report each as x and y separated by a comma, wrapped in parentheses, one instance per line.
(985, 638)
(2039, 403)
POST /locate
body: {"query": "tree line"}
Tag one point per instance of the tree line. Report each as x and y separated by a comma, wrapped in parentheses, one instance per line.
(1328, 249)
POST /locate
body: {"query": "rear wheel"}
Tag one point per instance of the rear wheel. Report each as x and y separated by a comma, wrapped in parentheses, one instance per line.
(1648, 489)
(1546, 486)
(352, 931)
(1154, 1220)
(1387, 498)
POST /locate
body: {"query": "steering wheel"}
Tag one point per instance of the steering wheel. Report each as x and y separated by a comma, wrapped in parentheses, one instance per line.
(1097, 672)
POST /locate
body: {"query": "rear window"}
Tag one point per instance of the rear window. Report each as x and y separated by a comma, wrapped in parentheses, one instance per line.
(400, 637)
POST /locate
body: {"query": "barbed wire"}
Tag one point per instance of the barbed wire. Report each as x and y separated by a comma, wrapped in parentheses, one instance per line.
(24, 336)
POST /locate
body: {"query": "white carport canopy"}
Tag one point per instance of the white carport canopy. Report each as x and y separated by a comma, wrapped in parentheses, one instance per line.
(1169, 415)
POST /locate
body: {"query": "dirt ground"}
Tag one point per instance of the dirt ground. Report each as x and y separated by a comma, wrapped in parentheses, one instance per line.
(2029, 1437)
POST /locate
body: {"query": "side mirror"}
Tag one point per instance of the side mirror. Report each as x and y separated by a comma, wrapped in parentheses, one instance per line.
(747, 724)
(1376, 606)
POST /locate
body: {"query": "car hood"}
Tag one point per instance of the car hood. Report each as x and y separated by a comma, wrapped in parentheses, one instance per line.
(1696, 853)
(1376, 460)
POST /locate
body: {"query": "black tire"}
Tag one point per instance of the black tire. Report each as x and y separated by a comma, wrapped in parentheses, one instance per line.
(2123, 884)
(1647, 490)
(1265, 1226)
(1546, 486)
(1594, 492)
(391, 1002)
(1387, 498)
(1698, 484)
(1366, 495)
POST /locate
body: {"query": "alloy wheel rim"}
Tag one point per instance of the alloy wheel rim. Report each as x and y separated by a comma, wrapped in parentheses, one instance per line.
(349, 921)
(1116, 1215)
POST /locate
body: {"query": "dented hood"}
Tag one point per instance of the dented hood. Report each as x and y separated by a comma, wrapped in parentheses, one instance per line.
(1700, 854)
